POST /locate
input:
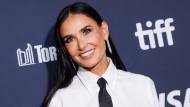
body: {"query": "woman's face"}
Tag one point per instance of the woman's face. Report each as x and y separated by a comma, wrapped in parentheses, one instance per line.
(85, 40)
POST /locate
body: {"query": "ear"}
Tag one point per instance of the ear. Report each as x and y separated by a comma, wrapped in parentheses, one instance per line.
(105, 30)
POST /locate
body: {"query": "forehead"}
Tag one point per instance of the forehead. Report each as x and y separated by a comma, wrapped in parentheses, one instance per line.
(76, 22)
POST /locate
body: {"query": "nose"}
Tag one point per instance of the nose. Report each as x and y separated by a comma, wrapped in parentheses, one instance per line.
(81, 44)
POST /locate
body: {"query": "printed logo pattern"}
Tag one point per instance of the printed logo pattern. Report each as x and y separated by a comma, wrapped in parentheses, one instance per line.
(25, 57)
(140, 33)
(44, 54)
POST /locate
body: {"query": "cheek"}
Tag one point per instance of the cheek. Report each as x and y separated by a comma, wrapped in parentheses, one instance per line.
(97, 37)
(71, 49)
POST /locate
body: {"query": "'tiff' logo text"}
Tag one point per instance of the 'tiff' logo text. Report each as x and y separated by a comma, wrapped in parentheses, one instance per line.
(161, 26)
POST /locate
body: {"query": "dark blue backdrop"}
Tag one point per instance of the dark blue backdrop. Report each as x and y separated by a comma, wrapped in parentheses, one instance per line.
(28, 26)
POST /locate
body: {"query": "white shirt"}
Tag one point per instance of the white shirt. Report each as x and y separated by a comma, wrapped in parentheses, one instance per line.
(126, 90)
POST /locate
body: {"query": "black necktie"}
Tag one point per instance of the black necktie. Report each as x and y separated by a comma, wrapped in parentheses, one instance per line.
(104, 97)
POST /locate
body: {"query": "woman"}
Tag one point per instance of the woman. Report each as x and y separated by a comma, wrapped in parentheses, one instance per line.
(86, 56)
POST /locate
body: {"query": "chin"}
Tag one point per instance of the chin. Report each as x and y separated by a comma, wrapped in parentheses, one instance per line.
(89, 66)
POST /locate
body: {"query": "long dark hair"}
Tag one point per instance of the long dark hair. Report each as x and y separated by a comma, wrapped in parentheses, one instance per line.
(66, 67)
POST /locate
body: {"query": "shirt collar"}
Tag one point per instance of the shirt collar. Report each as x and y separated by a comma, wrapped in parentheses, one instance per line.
(89, 79)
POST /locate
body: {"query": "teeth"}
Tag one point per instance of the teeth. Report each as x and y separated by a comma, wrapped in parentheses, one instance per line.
(87, 53)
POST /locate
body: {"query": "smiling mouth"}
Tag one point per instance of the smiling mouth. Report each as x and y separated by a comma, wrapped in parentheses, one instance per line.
(87, 53)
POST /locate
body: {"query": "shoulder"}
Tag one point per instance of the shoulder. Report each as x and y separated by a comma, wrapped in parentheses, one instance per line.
(127, 76)
(63, 94)
(135, 82)
(67, 92)
(76, 83)
(137, 85)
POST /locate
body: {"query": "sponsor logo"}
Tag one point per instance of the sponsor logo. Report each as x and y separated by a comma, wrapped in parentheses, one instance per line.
(161, 26)
(44, 54)
(172, 96)
(25, 57)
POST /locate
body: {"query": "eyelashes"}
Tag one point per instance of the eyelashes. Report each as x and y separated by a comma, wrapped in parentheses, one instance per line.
(70, 38)
(87, 31)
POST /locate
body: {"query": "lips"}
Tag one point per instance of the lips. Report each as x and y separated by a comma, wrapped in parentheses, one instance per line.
(87, 54)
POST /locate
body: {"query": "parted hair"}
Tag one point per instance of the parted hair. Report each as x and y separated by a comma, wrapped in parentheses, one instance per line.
(66, 67)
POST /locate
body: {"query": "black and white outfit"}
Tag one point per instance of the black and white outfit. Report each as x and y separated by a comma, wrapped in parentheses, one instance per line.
(125, 88)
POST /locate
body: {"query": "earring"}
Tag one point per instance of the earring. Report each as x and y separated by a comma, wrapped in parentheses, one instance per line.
(72, 63)
(108, 44)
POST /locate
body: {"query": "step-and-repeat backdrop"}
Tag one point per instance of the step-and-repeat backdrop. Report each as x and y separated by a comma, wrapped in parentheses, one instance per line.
(151, 36)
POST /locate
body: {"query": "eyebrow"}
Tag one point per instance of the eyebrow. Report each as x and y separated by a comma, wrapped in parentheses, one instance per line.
(66, 36)
(85, 27)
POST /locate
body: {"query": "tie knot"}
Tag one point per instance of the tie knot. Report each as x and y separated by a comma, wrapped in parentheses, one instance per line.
(102, 82)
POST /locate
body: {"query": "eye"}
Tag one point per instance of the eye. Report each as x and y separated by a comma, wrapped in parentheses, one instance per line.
(86, 31)
(69, 39)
